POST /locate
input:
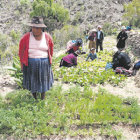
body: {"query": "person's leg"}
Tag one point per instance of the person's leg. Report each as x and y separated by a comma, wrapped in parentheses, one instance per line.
(43, 96)
(61, 63)
(134, 70)
(34, 95)
(101, 46)
(97, 44)
(90, 45)
(65, 64)
(94, 45)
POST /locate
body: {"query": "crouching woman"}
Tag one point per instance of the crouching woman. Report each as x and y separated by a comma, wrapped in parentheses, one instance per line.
(35, 52)
(69, 60)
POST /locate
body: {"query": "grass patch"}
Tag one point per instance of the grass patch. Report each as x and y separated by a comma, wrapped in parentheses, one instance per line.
(70, 112)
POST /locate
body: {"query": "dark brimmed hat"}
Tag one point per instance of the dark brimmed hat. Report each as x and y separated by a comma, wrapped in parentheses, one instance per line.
(37, 22)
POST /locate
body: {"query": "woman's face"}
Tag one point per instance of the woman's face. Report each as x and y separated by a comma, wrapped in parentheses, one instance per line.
(37, 31)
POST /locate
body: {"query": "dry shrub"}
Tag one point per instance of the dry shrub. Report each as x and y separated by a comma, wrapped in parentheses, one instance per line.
(68, 32)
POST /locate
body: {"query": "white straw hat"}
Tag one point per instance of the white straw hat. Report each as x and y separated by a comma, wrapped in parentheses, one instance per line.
(93, 30)
(123, 28)
(99, 26)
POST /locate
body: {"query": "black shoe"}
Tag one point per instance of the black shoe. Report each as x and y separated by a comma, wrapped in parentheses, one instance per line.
(43, 96)
(34, 95)
(134, 72)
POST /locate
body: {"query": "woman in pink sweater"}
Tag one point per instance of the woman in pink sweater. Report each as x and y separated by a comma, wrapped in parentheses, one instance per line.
(35, 52)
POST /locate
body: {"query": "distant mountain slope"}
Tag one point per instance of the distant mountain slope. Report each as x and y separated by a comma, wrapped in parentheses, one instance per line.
(12, 15)
(94, 12)
(83, 12)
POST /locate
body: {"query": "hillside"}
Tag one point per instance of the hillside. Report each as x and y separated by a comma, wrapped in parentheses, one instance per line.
(82, 12)
(13, 15)
(94, 12)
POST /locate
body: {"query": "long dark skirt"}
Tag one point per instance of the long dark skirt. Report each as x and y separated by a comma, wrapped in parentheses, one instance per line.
(37, 76)
(64, 63)
(121, 44)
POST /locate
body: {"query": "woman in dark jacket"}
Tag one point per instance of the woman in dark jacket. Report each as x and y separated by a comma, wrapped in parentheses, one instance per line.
(122, 36)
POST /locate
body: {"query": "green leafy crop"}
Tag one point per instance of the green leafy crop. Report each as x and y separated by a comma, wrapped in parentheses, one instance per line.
(71, 112)
(16, 71)
(88, 73)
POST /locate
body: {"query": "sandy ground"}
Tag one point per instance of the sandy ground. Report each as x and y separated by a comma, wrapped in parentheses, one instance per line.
(129, 88)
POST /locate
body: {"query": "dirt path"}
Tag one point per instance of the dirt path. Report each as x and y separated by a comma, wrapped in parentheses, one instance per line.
(129, 88)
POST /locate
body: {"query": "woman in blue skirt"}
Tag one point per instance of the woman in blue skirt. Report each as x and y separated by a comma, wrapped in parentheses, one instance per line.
(35, 52)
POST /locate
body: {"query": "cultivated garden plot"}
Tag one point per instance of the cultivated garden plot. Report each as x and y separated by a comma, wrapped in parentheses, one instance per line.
(75, 113)
(86, 102)
(88, 73)
(72, 113)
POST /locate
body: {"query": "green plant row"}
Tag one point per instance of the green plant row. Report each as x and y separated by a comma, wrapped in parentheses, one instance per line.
(88, 73)
(63, 111)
